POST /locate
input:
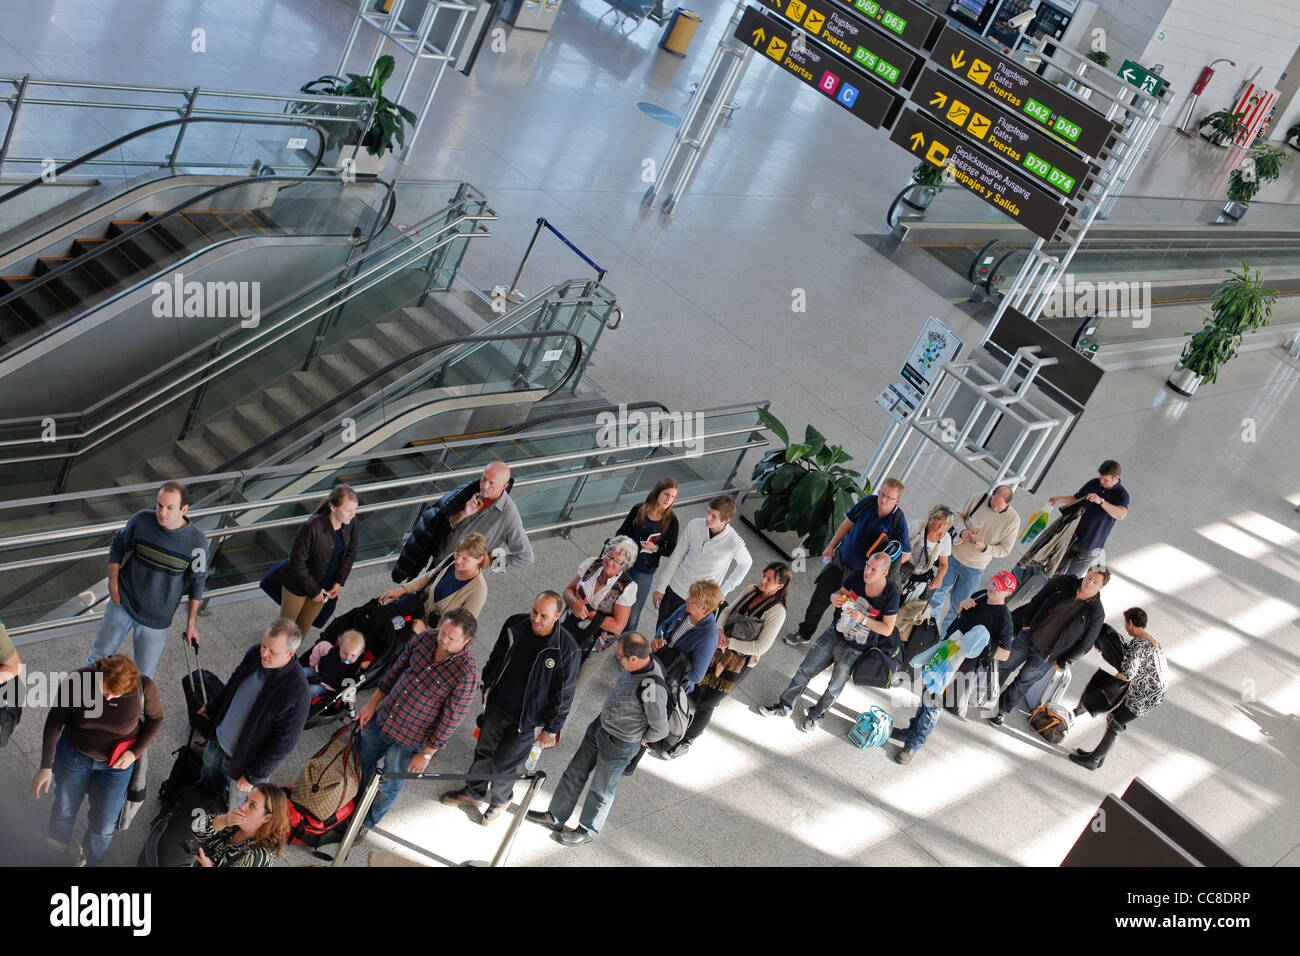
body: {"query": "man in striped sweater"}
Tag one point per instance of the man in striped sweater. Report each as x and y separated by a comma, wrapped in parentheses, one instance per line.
(152, 560)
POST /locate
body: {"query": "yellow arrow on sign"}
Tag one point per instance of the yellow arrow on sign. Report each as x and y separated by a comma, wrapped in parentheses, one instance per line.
(939, 100)
(917, 141)
(958, 60)
(759, 36)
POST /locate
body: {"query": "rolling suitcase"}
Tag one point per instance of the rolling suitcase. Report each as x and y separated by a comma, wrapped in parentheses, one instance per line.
(200, 687)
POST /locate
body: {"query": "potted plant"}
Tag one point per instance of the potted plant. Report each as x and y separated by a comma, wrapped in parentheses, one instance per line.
(1263, 164)
(387, 125)
(802, 489)
(926, 179)
(1100, 57)
(1293, 136)
(1223, 127)
(1240, 305)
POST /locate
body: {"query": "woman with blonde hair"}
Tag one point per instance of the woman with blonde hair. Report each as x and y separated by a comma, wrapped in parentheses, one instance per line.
(254, 834)
(457, 582)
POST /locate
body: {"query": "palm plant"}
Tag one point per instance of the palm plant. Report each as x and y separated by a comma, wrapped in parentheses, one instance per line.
(805, 486)
(1223, 126)
(1240, 305)
(387, 126)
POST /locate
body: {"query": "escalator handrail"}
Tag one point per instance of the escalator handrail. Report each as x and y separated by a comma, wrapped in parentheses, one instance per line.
(410, 356)
(153, 223)
(578, 412)
(328, 301)
(144, 130)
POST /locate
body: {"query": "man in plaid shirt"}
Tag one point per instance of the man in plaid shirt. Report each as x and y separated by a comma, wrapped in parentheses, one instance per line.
(419, 704)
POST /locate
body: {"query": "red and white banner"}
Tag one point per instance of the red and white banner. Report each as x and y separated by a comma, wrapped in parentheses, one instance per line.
(1255, 106)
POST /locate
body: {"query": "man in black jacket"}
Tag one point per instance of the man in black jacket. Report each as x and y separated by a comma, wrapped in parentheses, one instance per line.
(258, 717)
(1056, 628)
(527, 683)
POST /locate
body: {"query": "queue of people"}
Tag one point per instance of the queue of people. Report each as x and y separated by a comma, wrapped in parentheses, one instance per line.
(543, 659)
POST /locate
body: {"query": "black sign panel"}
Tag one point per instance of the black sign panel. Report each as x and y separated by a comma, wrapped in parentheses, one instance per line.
(990, 180)
(1022, 92)
(876, 55)
(913, 24)
(1074, 374)
(865, 99)
(1010, 137)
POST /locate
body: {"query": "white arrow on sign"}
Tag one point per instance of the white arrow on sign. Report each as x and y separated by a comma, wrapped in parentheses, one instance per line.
(1128, 75)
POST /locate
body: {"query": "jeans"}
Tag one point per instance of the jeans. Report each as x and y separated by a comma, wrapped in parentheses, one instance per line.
(215, 777)
(501, 748)
(1079, 566)
(958, 584)
(1036, 664)
(147, 643)
(644, 583)
(707, 700)
(374, 745)
(828, 582)
(75, 776)
(602, 758)
(828, 649)
(922, 725)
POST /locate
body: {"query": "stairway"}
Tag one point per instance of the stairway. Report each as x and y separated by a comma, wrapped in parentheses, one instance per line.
(148, 253)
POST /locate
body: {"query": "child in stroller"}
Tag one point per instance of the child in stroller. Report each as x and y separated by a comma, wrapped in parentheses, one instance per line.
(331, 667)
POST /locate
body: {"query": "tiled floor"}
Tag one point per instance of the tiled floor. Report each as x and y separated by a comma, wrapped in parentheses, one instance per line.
(549, 127)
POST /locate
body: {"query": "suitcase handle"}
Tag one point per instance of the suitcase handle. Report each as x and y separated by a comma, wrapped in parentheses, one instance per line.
(195, 676)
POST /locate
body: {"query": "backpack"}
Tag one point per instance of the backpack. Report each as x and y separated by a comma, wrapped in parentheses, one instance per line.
(681, 708)
(1051, 722)
(871, 729)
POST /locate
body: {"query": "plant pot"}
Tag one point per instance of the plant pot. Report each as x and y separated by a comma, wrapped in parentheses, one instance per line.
(920, 196)
(1294, 142)
(1214, 139)
(784, 541)
(1183, 380)
(1235, 210)
(364, 162)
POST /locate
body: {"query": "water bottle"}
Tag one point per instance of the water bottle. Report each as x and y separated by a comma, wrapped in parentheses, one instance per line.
(531, 763)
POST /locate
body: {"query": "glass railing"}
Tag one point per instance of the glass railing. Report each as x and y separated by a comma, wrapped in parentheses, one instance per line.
(564, 477)
(158, 410)
(187, 227)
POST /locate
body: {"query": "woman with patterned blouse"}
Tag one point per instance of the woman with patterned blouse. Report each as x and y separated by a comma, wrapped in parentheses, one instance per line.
(1146, 672)
(251, 835)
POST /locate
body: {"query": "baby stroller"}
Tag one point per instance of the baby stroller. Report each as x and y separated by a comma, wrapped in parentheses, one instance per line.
(386, 628)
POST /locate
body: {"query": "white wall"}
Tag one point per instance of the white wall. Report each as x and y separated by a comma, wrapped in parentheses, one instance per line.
(1254, 33)
(1129, 26)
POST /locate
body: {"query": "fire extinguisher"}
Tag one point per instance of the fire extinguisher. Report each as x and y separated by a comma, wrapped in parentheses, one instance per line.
(1202, 82)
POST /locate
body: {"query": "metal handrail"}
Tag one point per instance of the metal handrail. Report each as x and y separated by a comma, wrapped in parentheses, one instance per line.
(331, 297)
(85, 157)
(409, 356)
(150, 224)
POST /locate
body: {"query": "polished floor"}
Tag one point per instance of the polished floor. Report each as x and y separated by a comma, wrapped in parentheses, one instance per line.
(550, 128)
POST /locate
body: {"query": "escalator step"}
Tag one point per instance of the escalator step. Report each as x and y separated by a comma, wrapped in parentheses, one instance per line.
(39, 306)
(179, 232)
(77, 286)
(51, 263)
(12, 324)
(113, 268)
(119, 226)
(149, 250)
(212, 223)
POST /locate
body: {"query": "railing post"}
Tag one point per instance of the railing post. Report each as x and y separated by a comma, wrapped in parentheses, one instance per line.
(355, 823)
(198, 394)
(15, 104)
(513, 293)
(237, 492)
(190, 97)
(508, 841)
(64, 469)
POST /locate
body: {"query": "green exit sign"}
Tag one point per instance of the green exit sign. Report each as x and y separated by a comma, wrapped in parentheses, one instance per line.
(1142, 78)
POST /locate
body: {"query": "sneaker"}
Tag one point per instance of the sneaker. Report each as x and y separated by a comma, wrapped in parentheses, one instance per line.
(905, 756)
(576, 837)
(997, 720)
(794, 639)
(455, 798)
(679, 751)
(490, 814)
(808, 722)
(898, 733)
(774, 710)
(546, 819)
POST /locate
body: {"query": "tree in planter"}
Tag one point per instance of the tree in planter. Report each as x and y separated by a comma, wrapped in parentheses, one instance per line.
(387, 126)
(1224, 126)
(805, 487)
(1240, 305)
(1100, 57)
(1262, 165)
(1293, 136)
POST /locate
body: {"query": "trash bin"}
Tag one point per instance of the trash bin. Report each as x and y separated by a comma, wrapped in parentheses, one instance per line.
(680, 31)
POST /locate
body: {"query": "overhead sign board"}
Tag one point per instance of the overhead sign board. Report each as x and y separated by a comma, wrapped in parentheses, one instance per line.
(874, 53)
(1008, 135)
(1023, 92)
(816, 67)
(1144, 79)
(993, 181)
(913, 24)
(1075, 375)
